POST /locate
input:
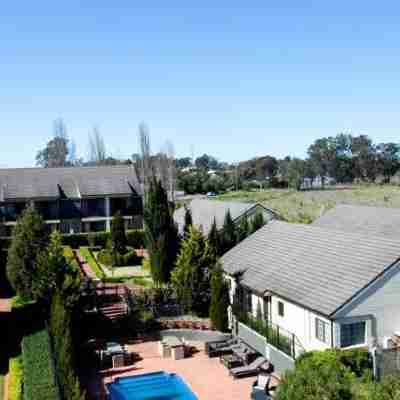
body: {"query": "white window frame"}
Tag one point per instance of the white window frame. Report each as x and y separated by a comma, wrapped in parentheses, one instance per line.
(325, 327)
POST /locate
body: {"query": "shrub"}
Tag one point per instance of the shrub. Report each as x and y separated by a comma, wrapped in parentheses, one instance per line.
(106, 257)
(16, 376)
(135, 238)
(39, 374)
(90, 259)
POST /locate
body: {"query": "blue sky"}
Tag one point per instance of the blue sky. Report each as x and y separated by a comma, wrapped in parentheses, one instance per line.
(231, 78)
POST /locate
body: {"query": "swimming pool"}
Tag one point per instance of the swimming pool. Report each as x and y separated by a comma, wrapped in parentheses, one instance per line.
(154, 386)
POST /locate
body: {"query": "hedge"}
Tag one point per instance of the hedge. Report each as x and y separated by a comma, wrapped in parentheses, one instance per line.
(121, 260)
(15, 380)
(39, 373)
(135, 239)
(87, 254)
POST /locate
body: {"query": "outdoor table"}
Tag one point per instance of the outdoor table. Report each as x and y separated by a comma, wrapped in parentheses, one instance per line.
(113, 348)
(172, 346)
(231, 361)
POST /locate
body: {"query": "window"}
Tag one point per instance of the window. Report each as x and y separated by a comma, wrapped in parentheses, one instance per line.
(321, 330)
(281, 309)
(352, 334)
(249, 301)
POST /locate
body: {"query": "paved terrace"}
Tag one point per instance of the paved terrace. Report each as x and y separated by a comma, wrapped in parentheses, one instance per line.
(208, 378)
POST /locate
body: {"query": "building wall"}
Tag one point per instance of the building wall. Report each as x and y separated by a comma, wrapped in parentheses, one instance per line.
(378, 305)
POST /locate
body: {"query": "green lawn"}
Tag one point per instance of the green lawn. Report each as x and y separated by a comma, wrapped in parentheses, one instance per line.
(304, 207)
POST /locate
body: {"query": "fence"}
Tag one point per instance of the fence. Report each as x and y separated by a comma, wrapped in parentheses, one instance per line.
(280, 360)
(388, 362)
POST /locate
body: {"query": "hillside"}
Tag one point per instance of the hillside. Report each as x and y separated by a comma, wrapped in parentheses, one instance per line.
(305, 207)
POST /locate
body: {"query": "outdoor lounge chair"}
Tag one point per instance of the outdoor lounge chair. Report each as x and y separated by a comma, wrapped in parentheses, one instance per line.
(216, 349)
(244, 352)
(248, 370)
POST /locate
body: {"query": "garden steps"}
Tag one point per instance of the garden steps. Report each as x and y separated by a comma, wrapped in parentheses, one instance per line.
(114, 311)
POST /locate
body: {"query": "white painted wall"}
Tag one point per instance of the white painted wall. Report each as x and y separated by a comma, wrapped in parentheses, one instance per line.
(301, 322)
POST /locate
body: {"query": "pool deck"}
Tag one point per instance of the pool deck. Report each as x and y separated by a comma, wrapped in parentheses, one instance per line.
(208, 378)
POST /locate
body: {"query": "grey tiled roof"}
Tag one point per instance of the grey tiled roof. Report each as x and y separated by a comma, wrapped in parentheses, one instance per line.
(318, 268)
(364, 219)
(204, 211)
(28, 183)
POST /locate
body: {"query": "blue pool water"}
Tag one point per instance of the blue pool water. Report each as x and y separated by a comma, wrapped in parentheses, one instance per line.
(155, 386)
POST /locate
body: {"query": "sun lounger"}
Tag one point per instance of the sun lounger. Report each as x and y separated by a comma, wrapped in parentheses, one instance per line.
(248, 370)
(216, 349)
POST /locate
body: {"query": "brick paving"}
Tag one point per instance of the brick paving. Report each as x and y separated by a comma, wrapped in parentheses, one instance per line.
(208, 378)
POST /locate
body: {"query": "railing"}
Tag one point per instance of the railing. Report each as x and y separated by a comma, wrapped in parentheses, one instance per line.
(274, 334)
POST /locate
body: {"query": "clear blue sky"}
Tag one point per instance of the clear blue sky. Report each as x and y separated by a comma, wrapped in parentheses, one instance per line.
(232, 78)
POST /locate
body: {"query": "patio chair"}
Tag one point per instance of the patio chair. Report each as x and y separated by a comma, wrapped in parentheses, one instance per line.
(248, 370)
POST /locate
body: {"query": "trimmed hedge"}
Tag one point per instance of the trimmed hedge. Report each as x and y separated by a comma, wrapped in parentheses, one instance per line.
(16, 377)
(87, 254)
(121, 260)
(39, 374)
(135, 239)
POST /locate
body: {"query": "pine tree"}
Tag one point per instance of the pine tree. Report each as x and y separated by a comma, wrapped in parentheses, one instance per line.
(219, 300)
(191, 276)
(118, 235)
(28, 241)
(161, 233)
(188, 221)
(228, 233)
(214, 239)
(257, 222)
(243, 229)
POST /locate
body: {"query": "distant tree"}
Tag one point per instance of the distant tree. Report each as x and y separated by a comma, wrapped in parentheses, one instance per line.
(160, 232)
(188, 221)
(206, 162)
(29, 240)
(257, 222)
(97, 148)
(365, 158)
(55, 154)
(118, 235)
(388, 159)
(296, 173)
(191, 276)
(243, 229)
(183, 162)
(219, 300)
(214, 239)
(323, 154)
(228, 234)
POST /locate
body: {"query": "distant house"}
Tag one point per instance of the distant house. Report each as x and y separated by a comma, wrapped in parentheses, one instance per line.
(316, 287)
(205, 211)
(71, 200)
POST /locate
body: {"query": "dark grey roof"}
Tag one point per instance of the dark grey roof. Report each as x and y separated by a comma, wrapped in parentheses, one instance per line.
(204, 211)
(318, 268)
(74, 182)
(379, 221)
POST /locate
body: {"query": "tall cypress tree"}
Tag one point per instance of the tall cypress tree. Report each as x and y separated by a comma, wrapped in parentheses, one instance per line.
(219, 300)
(161, 233)
(214, 239)
(29, 240)
(228, 233)
(257, 222)
(243, 229)
(118, 235)
(188, 222)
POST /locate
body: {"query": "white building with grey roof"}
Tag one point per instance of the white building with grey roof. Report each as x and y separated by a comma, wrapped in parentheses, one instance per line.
(205, 211)
(319, 286)
(72, 200)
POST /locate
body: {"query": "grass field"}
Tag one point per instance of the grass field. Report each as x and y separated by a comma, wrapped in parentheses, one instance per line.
(305, 207)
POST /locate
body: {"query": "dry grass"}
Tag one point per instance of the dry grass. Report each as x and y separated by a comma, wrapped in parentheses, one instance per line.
(305, 207)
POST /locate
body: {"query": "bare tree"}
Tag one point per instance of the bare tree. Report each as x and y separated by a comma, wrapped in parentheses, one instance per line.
(97, 148)
(145, 161)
